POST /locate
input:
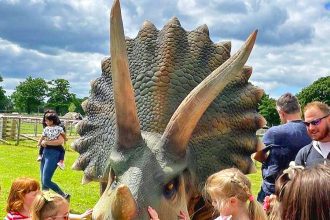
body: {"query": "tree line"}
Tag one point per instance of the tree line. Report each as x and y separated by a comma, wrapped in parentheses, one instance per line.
(35, 94)
(319, 90)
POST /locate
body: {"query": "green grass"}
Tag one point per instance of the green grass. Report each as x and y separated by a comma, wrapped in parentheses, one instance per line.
(256, 180)
(18, 161)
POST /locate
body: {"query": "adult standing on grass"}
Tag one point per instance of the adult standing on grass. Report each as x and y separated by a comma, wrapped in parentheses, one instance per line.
(21, 195)
(317, 121)
(49, 162)
(51, 132)
(282, 143)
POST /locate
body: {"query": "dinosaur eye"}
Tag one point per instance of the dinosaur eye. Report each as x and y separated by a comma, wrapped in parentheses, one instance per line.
(171, 188)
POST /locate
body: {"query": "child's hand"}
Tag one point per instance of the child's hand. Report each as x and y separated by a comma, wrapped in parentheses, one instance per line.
(152, 213)
(87, 213)
(183, 216)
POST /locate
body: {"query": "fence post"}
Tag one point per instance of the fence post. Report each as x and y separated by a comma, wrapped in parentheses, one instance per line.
(12, 129)
(71, 128)
(18, 131)
(36, 128)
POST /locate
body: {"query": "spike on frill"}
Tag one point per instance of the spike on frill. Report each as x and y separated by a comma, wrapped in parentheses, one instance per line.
(147, 25)
(174, 21)
(204, 29)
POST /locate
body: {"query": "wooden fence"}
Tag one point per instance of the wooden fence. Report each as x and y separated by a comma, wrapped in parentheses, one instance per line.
(16, 128)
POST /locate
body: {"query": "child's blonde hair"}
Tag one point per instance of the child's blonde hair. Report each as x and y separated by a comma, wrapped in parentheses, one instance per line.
(46, 205)
(233, 183)
(19, 188)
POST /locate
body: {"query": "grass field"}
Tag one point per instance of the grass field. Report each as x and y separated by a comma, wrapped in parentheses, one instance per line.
(18, 161)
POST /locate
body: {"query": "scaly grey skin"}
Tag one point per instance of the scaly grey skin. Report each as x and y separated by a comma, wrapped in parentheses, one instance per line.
(170, 108)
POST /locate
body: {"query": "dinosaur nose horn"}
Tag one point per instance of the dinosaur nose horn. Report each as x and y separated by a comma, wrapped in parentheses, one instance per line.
(123, 205)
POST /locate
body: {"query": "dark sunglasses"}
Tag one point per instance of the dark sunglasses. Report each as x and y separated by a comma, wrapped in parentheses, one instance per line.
(316, 121)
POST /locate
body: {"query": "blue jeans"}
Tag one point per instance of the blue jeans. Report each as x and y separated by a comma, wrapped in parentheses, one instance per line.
(261, 195)
(47, 169)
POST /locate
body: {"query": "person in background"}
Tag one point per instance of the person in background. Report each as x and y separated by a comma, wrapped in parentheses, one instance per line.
(272, 203)
(21, 195)
(307, 195)
(317, 121)
(231, 196)
(282, 143)
(49, 161)
(52, 131)
(48, 206)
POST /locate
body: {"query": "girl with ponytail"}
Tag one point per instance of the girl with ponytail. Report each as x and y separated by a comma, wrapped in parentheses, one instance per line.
(230, 193)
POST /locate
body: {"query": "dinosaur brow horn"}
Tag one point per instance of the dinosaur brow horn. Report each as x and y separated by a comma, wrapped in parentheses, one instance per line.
(128, 124)
(180, 127)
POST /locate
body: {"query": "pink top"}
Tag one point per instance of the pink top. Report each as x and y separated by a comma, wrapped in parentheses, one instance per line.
(15, 215)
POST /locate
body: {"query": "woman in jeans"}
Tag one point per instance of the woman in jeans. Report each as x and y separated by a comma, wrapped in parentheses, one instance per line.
(49, 161)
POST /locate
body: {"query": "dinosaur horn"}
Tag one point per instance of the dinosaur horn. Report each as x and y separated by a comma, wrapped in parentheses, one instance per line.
(124, 205)
(120, 202)
(180, 127)
(128, 124)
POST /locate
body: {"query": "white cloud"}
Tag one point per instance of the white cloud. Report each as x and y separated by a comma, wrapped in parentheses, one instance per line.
(68, 38)
(78, 68)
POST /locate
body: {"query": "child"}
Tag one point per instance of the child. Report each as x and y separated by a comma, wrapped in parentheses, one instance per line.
(21, 195)
(230, 191)
(49, 205)
(272, 203)
(51, 132)
(307, 194)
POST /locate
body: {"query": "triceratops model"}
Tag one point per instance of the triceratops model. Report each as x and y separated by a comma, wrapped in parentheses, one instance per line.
(170, 108)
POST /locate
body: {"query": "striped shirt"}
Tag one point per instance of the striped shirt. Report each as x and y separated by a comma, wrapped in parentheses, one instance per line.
(15, 215)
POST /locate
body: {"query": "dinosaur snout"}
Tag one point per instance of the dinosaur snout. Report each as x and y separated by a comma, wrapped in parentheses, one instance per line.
(115, 205)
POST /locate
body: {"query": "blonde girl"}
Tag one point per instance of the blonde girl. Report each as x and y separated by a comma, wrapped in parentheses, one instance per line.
(21, 195)
(49, 206)
(230, 193)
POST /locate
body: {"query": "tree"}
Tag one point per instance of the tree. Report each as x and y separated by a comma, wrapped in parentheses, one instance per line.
(30, 94)
(3, 99)
(59, 95)
(317, 91)
(72, 107)
(5, 102)
(267, 108)
(77, 102)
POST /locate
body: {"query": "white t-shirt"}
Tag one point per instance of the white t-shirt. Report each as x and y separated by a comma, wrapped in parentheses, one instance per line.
(223, 217)
(52, 132)
(325, 148)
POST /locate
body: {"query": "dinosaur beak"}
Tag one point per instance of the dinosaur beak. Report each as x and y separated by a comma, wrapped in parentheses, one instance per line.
(122, 205)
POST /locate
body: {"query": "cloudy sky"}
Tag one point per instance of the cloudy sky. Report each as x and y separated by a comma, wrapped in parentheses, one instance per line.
(68, 38)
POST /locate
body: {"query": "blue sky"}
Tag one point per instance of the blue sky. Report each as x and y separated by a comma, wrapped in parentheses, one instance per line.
(69, 38)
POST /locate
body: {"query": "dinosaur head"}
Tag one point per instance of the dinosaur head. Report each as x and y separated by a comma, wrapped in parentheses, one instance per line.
(140, 177)
(153, 166)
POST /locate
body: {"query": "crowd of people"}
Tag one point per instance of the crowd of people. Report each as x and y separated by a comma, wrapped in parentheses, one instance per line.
(295, 172)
